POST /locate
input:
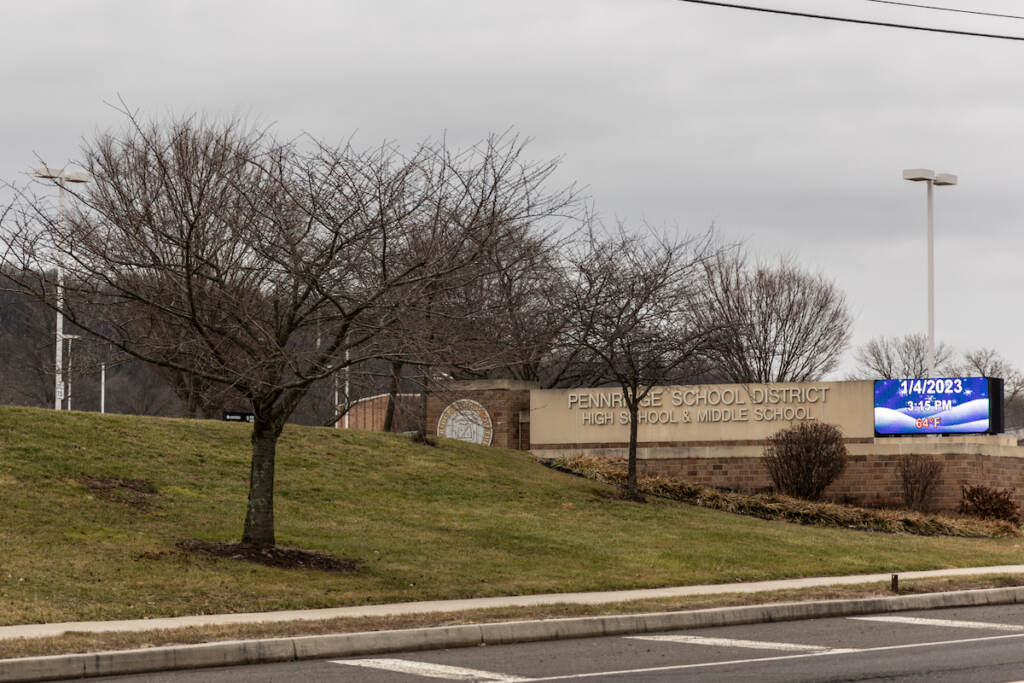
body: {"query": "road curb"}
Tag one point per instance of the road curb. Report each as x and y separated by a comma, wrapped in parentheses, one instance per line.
(233, 653)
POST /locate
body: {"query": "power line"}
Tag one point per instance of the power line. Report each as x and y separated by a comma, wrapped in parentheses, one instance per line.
(946, 9)
(848, 20)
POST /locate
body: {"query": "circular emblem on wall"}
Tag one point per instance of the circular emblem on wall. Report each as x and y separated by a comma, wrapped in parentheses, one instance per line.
(466, 420)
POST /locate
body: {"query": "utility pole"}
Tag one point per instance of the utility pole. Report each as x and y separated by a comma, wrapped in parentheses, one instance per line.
(62, 177)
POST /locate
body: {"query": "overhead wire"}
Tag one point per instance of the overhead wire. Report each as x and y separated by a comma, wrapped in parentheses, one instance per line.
(947, 9)
(850, 20)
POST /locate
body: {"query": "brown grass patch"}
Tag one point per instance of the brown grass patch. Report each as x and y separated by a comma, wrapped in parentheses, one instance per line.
(140, 494)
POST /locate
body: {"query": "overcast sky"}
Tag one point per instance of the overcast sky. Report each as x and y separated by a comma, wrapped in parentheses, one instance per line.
(785, 132)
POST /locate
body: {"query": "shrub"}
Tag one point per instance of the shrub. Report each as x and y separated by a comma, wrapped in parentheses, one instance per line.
(918, 474)
(989, 503)
(804, 459)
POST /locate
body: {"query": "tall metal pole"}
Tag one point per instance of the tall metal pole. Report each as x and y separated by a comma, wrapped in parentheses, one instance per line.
(67, 385)
(103, 387)
(62, 177)
(58, 387)
(932, 178)
(931, 283)
(348, 371)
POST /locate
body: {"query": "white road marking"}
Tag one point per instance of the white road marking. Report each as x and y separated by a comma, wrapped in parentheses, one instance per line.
(732, 642)
(457, 673)
(705, 665)
(428, 670)
(952, 623)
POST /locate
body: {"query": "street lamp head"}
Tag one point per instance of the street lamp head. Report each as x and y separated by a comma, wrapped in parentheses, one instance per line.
(919, 174)
(62, 175)
(945, 179)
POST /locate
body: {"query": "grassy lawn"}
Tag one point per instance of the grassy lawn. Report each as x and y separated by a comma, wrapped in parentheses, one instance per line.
(91, 508)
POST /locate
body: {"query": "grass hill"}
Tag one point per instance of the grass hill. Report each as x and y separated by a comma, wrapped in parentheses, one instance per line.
(93, 508)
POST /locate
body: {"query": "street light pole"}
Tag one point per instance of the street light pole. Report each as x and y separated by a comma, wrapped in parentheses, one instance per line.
(931, 178)
(348, 377)
(67, 391)
(58, 370)
(62, 177)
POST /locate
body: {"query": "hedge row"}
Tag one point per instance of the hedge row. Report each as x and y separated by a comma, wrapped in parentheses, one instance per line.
(776, 507)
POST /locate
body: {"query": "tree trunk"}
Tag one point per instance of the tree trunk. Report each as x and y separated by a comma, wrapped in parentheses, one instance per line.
(259, 515)
(424, 398)
(184, 388)
(191, 409)
(632, 491)
(389, 413)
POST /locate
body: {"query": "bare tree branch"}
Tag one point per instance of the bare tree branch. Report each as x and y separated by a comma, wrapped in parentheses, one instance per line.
(785, 325)
(633, 308)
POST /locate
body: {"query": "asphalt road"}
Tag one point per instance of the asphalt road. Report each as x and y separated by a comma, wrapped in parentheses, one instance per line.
(964, 644)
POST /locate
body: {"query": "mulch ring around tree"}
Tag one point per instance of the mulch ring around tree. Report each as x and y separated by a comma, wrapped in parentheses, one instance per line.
(275, 556)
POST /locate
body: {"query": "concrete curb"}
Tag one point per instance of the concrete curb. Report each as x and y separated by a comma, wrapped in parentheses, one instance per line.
(233, 653)
(468, 604)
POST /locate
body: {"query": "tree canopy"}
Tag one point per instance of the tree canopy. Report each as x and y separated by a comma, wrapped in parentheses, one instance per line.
(214, 250)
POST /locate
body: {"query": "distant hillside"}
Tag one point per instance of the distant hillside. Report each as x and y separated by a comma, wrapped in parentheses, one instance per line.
(92, 508)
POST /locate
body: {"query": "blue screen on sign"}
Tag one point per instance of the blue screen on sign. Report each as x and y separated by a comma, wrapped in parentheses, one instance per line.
(947, 405)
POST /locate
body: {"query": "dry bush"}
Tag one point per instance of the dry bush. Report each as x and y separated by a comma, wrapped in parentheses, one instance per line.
(918, 474)
(774, 507)
(987, 502)
(804, 459)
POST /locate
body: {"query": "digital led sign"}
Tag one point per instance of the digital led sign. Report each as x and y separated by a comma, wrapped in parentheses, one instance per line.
(938, 405)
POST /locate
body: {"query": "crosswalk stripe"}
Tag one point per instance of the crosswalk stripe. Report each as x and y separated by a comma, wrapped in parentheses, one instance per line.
(429, 670)
(951, 623)
(777, 658)
(733, 642)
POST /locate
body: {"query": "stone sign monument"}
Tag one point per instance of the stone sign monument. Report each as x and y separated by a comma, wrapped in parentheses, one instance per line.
(685, 415)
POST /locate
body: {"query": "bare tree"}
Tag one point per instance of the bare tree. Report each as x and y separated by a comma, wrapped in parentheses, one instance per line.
(200, 397)
(494, 316)
(988, 362)
(508, 323)
(503, 321)
(784, 325)
(26, 349)
(898, 357)
(215, 251)
(634, 320)
(137, 388)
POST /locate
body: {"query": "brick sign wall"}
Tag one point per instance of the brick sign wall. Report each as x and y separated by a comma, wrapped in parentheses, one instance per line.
(503, 400)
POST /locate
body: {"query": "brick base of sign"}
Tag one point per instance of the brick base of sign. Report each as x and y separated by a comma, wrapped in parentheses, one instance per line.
(504, 400)
(871, 478)
(872, 475)
(868, 480)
